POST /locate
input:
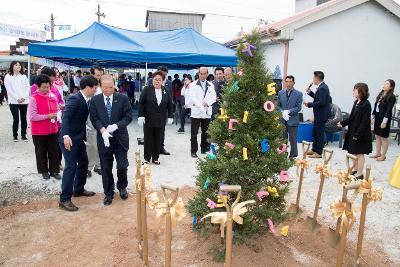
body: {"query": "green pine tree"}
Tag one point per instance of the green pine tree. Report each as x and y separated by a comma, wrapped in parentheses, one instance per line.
(246, 92)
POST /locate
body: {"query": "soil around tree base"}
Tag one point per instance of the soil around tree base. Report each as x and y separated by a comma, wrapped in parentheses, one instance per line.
(40, 234)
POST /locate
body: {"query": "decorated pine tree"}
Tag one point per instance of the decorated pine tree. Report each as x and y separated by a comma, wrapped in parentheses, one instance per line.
(247, 149)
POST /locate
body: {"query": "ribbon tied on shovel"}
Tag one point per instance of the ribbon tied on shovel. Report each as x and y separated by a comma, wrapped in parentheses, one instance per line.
(301, 164)
(221, 217)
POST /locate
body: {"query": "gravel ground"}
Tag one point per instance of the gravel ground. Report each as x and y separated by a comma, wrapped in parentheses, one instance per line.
(19, 182)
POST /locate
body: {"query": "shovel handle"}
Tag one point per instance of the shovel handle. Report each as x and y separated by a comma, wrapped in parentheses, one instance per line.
(368, 172)
(306, 147)
(355, 161)
(174, 189)
(354, 186)
(231, 188)
(328, 153)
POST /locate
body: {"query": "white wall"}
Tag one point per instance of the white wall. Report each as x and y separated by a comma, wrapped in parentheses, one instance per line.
(274, 55)
(361, 44)
(304, 4)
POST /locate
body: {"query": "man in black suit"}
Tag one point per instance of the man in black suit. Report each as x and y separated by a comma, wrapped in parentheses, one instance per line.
(321, 109)
(167, 84)
(219, 83)
(110, 114)
(72, 143)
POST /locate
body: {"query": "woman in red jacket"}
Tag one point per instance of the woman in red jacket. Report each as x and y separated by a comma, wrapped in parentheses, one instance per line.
(43, 109)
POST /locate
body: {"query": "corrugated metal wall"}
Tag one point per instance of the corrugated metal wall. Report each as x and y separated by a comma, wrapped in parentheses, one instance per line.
(158, 22)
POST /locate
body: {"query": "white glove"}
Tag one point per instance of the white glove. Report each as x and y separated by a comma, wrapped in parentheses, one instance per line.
(106, 135)
(88, 128)
(59, 115)
(285, 115)
(170, 121)
(141, 121)
(111, 128)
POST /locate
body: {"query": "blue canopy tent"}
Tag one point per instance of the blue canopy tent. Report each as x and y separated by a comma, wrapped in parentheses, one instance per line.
(115, 47)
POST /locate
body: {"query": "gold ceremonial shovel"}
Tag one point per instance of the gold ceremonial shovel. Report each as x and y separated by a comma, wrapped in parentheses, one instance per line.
(312, 221)
(334, 234)
(229, 221)
(295, 208)
(168, 221)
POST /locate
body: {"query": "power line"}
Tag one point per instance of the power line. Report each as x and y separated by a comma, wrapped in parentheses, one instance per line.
(170, 9)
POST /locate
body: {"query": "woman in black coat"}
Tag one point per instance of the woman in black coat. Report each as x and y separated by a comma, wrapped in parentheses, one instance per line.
(358, 139)
(155, 106)
(383, 116)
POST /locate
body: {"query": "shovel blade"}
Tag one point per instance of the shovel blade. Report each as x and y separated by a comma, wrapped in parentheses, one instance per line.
(312, 224)
(294, 210)
(333, 238)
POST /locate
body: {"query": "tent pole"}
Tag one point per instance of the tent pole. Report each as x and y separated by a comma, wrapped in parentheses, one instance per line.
(145, 75)
(69, 77)
(29, 69)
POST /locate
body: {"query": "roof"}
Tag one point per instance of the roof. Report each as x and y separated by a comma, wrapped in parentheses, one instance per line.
(282, 29)
(115, 47)
(175, 13)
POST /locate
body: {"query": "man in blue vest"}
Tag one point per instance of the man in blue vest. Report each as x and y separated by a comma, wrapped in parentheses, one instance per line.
(289, 103)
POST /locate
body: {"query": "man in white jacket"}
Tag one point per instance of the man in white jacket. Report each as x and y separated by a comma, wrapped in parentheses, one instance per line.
(200, 99)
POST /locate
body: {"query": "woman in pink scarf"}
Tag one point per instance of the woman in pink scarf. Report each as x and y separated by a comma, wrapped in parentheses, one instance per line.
(43, 110)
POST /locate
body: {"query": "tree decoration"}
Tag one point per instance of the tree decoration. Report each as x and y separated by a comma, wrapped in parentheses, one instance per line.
(264, 145)
(271, 90)
(207, 183)
(245, 153)
(269, 106)
(271, 226)
(245, 116)
(230, 146)
(285, 230)
(284, 176)
(231, 125)
(211, 156)
(211, 204)
(282, 149)
(240, 73)
(248, 49)
(223, 115)
(261, 194)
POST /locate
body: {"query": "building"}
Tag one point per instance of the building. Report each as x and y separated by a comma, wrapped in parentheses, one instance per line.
(350, 40)
(160, 21)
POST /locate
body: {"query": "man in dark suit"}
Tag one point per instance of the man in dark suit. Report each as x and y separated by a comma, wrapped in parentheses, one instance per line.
(167, 84)
(72, 143)
(110, 114)
(321, 109)
(218, 86)
(289, 103)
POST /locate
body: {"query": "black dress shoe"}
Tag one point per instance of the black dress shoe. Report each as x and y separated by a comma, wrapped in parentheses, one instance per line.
(46, 176)
(194, 155)
(68, 206)
(56, 176)
(353, 172)
(85, 193)
(156, 162)
(107, 200)
(181, 130)
(97, 170)
(361, 177)
(89, 174)
(123, 194)
(164, 152)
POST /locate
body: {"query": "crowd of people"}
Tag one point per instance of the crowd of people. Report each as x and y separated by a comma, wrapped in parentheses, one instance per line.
(358, 138)
(89, 127)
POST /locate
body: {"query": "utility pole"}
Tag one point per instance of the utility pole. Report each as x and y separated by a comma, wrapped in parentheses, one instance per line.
(99, 14)
(52, 26)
